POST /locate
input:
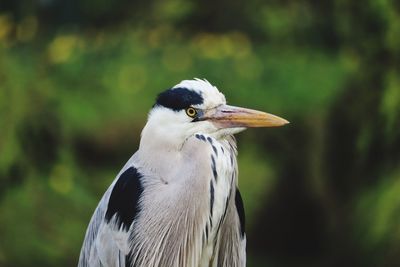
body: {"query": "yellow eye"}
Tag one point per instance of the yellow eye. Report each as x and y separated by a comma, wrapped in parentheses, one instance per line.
(191, 112)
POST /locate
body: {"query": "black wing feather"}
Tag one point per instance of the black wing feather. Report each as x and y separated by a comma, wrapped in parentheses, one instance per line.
(124, 198)
(240, 211)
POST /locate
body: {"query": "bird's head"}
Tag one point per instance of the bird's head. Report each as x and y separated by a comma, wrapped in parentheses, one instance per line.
(196, 106)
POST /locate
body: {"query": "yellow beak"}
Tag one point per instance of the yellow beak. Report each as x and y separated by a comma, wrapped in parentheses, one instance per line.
(227, 116)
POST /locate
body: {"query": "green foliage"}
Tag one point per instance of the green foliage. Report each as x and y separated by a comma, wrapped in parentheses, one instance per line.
(257, 181)
(378, 208)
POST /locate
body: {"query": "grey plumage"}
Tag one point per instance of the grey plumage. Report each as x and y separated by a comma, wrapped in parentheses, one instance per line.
(175, 202)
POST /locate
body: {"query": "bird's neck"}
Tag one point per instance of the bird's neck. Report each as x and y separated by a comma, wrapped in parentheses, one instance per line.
(157, 147)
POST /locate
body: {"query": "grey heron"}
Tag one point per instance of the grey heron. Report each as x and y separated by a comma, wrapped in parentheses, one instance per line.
(176, 201)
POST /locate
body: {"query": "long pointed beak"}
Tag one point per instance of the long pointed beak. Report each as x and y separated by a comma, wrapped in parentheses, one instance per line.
(226, 116)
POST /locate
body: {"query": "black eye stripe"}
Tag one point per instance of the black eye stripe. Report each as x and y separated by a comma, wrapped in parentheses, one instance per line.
(179, 98)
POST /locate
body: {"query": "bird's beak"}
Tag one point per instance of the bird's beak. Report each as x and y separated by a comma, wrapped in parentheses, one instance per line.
(226, 116)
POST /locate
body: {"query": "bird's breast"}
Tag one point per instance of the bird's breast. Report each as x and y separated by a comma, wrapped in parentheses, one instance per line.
(183, 207)
(220, 158)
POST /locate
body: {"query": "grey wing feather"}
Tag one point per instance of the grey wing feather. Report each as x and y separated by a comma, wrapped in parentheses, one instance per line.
(104, 245)
(232, 249)
(89, 253)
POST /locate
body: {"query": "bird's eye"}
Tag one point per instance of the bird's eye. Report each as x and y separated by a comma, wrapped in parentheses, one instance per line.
(191, 112)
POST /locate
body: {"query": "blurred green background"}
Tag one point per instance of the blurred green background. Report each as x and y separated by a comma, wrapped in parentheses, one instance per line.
(77, 79)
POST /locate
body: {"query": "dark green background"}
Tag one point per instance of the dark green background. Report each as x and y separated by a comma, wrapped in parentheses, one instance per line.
(77, 79)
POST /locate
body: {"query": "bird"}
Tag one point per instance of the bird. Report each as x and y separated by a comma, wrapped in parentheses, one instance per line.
(176, 202)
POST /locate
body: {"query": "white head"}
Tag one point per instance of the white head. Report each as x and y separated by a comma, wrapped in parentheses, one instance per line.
(196, 106)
